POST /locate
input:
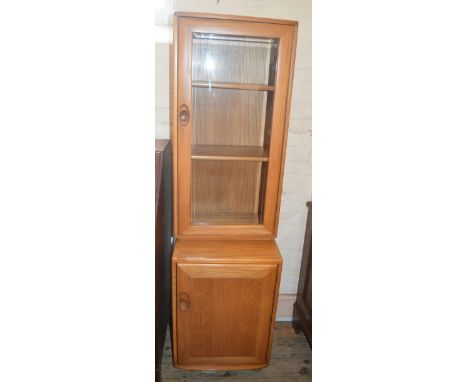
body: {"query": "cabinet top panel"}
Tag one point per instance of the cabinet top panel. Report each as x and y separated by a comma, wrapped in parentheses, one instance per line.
(235, 17)
(226, 251)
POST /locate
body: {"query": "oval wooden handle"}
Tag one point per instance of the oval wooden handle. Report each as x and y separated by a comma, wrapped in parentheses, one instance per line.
(184, 115)
(184, 301)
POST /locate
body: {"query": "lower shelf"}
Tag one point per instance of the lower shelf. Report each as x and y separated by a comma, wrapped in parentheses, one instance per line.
(246, 153)
(225, 218)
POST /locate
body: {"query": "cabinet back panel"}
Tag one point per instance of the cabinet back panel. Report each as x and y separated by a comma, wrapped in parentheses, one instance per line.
(234, 58)
(228, 117)
(227, 191)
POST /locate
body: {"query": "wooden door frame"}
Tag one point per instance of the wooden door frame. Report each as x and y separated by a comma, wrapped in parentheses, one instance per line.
(243, 363)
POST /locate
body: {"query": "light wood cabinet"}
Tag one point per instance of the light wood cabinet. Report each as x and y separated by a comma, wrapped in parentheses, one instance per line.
(232, 81)
(224, 302)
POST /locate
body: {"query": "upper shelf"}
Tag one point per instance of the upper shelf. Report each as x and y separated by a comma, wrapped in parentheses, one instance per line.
(246, 153)
(231, 85)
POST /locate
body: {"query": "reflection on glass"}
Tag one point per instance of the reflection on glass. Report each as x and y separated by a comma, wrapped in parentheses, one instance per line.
(220, 58)
(233, 80)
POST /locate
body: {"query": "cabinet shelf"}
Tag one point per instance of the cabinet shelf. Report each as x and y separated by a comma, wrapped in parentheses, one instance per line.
(231, 85)
(245, 153)
(222, 218)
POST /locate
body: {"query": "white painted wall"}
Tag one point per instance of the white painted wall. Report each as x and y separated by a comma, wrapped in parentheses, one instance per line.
(297, 176)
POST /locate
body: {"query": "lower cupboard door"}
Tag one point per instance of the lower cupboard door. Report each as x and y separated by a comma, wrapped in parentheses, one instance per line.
(224, 315)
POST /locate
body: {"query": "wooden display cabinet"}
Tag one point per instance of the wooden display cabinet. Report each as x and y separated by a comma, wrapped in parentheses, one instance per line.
(232, 79)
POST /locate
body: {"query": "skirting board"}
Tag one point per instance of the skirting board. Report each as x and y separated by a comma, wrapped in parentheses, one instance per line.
(284, 311)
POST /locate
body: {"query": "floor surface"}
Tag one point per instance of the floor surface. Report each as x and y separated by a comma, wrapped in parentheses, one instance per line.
(290, 361)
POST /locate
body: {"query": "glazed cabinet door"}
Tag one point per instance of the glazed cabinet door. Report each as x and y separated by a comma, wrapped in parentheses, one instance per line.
(232, 91)
(224, 315)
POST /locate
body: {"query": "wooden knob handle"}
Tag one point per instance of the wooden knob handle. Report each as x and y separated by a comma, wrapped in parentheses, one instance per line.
(184, 301)
(184, 115)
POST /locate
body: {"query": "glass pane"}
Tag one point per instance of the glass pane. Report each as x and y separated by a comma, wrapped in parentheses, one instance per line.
(230, 117)
(222, 58)
(233, 82)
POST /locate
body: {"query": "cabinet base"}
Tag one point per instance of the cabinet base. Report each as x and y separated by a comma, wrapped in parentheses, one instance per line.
(220, 368)
(225, 295)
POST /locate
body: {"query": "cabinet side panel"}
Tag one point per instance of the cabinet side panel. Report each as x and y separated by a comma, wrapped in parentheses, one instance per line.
(275, 306)
(266, 307)
(278, 128)
(174, 330)
(286, 127)
(173, 122)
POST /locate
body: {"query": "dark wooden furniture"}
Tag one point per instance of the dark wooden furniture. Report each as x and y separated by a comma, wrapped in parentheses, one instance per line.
(163, 244)
(302, 315)
(232, 83)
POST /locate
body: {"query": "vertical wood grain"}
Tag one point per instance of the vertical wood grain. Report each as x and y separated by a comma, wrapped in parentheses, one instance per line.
(225, 187)
(228, 117)
(184, 89)
(286, 125)
(230, 313)
(173, 74)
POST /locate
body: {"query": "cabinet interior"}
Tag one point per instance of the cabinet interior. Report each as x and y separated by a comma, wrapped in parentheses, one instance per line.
(233, 89)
